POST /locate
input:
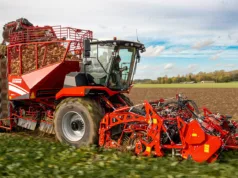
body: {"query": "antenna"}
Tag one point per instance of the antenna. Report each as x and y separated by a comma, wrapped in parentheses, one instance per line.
(137, 37)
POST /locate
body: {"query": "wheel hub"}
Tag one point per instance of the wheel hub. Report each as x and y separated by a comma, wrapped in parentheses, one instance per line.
(77, 125)
(73, 126)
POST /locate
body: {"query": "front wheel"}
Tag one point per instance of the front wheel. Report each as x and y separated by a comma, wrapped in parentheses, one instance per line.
(77, 120)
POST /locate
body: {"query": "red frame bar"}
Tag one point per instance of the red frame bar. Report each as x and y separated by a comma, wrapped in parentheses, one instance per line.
(20, 58)
(34, 33)
(36, 55)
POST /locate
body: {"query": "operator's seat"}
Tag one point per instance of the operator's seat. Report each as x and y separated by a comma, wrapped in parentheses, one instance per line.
(97, 71)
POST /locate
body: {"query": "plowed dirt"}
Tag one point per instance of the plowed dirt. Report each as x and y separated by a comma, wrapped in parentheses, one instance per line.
(222, 100)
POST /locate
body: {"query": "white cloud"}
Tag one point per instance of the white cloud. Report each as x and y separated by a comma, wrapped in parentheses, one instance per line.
(202, 44)
(147, 71)
(148, 67)
(169, 66)
(192, 66)
(226, 65)
(159, 18)
(142, 67)
(179, 50)
(230, 65)
(102, 26)
(217, 55)
(208, 54)
(152, 51)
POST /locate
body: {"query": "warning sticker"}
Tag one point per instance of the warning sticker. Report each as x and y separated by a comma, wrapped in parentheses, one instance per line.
(154, 121)
(32, 96)
(148, 149)
(206, 148)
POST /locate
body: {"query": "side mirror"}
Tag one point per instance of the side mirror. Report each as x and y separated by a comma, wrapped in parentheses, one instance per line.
(86, 48)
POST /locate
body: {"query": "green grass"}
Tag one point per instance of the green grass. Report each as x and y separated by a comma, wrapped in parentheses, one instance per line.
(196, 85)
(34, 157)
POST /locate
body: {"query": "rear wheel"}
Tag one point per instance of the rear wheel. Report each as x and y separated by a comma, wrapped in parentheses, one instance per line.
(77, 120)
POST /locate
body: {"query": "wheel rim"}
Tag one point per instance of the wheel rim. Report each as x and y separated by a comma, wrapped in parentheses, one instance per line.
(73, 126)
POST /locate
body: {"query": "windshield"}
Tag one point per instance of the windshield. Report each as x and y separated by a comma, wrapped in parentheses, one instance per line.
(111, 65)
(101, 67)
(123, 67)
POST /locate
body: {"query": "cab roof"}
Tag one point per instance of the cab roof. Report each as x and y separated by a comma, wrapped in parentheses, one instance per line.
(138, 45)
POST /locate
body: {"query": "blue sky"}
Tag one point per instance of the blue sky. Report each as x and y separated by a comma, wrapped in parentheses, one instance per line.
(181, 36)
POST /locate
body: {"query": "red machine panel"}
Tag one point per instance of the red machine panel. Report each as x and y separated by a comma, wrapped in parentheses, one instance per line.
(40, 57)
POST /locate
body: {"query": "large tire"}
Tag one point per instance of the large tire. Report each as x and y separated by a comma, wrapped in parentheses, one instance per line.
(76, 121)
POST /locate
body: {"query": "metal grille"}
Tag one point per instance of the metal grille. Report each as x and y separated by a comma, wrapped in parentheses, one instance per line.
(49, 33)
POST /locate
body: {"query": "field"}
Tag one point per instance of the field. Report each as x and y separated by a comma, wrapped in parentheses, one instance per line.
(37, 157)
(22, 156)
(195, 85)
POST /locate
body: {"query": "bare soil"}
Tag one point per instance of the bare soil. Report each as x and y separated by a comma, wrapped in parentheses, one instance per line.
(222, 100)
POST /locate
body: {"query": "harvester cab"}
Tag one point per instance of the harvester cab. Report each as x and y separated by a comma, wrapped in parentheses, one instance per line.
(112, 63)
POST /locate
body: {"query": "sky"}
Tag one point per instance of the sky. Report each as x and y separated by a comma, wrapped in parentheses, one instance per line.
(181, 36)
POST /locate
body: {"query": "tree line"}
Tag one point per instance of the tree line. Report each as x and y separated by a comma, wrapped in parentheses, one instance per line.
(218, 76)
